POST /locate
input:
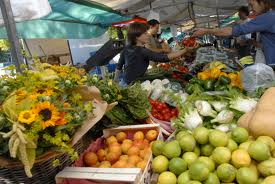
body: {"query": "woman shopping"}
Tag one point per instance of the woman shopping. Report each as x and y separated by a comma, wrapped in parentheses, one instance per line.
(135, 57)
(264, 23)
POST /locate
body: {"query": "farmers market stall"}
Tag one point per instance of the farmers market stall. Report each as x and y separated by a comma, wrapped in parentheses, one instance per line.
(204, 118)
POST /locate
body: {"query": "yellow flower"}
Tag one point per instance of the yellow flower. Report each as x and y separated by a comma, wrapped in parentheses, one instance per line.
(48, 114)
(27, 117)
(41, 92)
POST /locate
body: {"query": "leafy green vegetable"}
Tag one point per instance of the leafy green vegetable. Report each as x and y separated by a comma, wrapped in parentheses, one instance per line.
(136, 101)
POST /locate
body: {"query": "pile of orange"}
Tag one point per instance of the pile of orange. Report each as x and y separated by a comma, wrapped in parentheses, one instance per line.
(120, 152)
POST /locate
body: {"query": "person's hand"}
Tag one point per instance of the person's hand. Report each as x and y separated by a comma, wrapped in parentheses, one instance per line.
(166, 50)
(200, 32)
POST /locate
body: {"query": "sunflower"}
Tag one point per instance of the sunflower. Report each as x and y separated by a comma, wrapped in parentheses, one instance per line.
(27, 117)
(48, 113)
(61, 120)
(41, 92)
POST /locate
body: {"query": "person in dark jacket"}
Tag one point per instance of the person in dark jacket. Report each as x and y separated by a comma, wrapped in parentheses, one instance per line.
(135, 57)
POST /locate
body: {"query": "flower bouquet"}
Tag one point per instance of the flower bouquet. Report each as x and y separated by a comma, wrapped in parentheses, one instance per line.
(44, 109)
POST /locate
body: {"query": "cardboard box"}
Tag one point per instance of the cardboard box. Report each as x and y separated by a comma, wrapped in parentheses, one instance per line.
(93, 175)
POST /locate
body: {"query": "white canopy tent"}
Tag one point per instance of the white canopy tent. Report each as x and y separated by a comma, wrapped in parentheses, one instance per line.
(178, 12)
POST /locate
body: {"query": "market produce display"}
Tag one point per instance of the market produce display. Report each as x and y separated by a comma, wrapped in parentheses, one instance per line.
(123, 150)
(41, 109)
(212, 156)
(212, 110)
(133, 103)
(162, 111)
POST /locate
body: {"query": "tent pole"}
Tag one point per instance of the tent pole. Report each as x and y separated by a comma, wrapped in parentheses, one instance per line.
(217, 12)
(11, 31)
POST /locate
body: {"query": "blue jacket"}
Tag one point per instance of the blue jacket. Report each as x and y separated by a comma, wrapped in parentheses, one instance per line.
(265, 24)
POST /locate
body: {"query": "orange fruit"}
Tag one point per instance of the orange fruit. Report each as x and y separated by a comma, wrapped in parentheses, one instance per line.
(120, 164)
(115, 149)
(151, 135)
(121, 136)
(129, 141)
(142, 164)
(112, 157)
(138, 136)
(90, 159)
(125, 147)
(133, 151)
(101, 155)
(111, 140)
(134, 159)
(124, 157)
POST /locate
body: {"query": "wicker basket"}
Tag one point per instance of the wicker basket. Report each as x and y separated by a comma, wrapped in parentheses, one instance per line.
(43, 170)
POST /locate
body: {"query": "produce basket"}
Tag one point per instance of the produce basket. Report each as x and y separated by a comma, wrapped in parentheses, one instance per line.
(43, 170)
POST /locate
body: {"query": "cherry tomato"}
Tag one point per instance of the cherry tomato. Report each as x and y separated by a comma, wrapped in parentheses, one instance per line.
(166, 117)
(161, 117)
(159, 107)
(154, 111)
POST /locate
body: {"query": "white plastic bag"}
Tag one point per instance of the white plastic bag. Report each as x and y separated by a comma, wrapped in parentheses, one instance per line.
(28, 9)
(260, 58)
(255, 76)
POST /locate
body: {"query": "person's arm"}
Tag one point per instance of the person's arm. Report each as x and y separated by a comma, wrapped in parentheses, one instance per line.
(227, 31)
(120, 65)
(259, 24)
(159, 57)
(162, 50)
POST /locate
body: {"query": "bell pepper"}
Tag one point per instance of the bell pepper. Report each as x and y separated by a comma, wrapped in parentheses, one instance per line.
(215, 73)
(203, 75)
(223, 74)
(233, 76)
(225, 80)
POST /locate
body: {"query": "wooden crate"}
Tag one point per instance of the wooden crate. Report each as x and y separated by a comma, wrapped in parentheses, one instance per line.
(111, 175)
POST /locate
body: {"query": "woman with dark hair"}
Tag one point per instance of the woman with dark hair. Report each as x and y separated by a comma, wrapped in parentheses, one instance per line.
(263, 23)
(134, 59)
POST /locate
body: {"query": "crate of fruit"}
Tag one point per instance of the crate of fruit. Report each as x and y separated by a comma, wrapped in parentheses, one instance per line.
(122, 155)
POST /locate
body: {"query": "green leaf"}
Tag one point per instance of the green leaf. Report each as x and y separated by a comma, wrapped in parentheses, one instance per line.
(9, 107)
(31, 156)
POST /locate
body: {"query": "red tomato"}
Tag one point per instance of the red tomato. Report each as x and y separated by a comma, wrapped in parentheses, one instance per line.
(154, 111)
(160, 117)
(166, 117)
(159, 107)
(165, 111)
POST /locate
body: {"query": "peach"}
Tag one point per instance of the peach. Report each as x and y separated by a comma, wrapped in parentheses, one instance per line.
(151, 135)
(101, 154)
(138, 136)
(125, 147)
(121, 136)
(142, 164)
(133, 151)
(90, 159)
(134, 159)
(111, 140)
(112, 157)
